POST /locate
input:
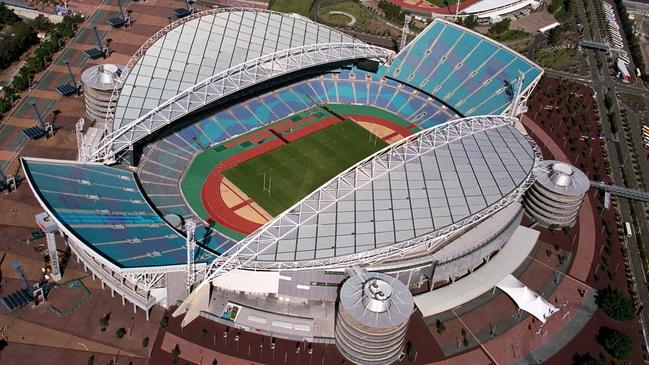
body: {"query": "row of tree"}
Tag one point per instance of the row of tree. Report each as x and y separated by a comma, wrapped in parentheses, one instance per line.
(41, 58)
(23, 38)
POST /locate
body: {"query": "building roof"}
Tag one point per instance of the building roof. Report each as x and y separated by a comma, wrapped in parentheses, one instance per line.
(102, 77)
(499, 7)
(563, 178)
(418, 190)
(376, 300)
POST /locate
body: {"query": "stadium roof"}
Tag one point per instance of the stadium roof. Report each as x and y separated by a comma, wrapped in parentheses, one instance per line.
(198, 59)
(103, 208)
(468, 71)
(410, 194)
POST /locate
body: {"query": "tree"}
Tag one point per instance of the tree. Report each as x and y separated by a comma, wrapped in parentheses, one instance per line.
(175, 354)
(120, 332)
(615, 304)
(91, 360)
(500, 27)
(104, 321)
(411, 351)
(440, 326)
(554, 36)
(585, 360)
(202, 334)
(616, 343)
(470, 22)
(164, 322)
(7, 16)
(145, 342)
(41, 24)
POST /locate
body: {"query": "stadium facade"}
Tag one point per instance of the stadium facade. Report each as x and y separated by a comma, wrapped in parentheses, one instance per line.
(426, 210)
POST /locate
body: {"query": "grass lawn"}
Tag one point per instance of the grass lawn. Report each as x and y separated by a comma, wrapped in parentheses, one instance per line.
(291, 6)
(366, 21)
(556, 59)
(301, 167)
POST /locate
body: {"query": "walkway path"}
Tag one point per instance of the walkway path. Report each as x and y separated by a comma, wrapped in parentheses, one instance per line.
(34, 334)
(198, 354)
(352, 19)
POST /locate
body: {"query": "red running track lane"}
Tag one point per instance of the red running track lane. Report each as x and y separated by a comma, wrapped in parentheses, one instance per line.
(265, 133)
(211, 191)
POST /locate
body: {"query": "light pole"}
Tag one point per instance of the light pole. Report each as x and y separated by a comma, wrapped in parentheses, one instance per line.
(67, 63)
(98, 39)
(121, 10)
(38, 114)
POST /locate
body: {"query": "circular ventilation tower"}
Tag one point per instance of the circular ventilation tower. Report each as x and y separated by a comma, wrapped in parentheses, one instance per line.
(98, 84)
(557, 194)
(372, 318)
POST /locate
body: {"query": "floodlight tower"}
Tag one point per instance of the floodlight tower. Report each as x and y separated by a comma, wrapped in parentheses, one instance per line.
(49, 227)
(190, 228)
(78, 129)
(518, 90)
(405, 31)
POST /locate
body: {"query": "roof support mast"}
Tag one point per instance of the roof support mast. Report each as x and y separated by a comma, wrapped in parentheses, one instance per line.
(190, 227)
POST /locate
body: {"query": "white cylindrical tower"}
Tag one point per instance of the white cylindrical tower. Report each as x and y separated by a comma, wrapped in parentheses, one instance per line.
(556, 196)
(98, 84)
(372, 318)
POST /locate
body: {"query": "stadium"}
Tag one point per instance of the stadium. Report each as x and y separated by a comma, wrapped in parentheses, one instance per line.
(253, 159)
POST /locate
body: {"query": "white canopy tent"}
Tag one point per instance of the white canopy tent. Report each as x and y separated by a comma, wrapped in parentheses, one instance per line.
(526, 298)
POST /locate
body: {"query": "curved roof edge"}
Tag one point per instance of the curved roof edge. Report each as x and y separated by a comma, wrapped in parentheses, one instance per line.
(234, 79)
(243, 254)
(79, 243)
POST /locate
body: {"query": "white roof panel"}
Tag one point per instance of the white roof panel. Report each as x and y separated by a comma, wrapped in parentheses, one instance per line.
(215, 41)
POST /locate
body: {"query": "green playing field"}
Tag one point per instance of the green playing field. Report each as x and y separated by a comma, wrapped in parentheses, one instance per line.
(299, 168)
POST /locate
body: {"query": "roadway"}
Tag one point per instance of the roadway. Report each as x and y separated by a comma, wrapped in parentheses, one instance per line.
(601, 81)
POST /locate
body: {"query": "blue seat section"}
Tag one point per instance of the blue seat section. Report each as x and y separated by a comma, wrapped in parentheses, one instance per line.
(330, 89)
(171, 161)
(320, 92)
(229, 124)
(412, 55)
(360, 90)
(181, 143)
(463, 50)
(124, 232)
(436, 63)
(212, 129)
(189, 133)
(384, 95)
(346, 92)
(260, 111)
(244, 116)
(469, 72)
(172, 148)
(278, 107)
(302, 89)
(295, 100)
